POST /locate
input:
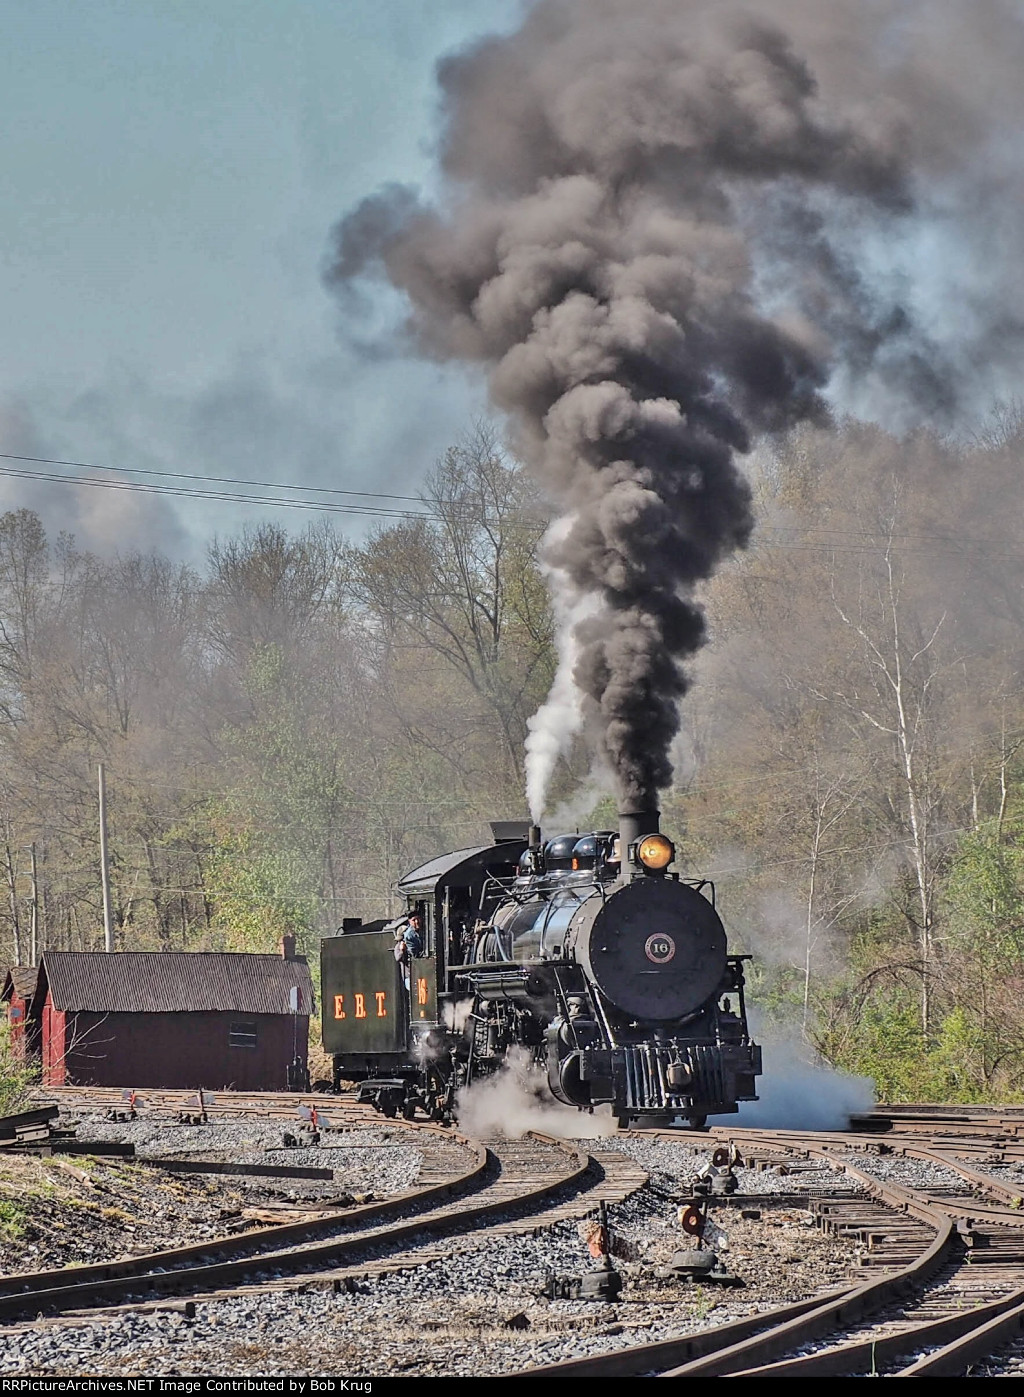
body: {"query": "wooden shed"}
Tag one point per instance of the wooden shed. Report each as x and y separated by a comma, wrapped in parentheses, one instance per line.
(19, 987)
(174, 1018)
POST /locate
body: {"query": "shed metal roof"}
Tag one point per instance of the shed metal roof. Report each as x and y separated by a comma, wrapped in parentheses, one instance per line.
(176, 982)
(21, 981)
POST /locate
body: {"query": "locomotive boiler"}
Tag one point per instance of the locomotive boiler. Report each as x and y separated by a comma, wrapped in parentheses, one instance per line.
(586, 953)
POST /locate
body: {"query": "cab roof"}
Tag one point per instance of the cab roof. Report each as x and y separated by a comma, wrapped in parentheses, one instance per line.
(462, 867)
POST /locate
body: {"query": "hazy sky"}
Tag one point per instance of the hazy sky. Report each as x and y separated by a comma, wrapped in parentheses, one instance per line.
(171, 171)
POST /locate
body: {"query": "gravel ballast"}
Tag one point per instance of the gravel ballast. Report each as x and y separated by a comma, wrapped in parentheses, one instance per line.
(476, 1312)
(374, 1159)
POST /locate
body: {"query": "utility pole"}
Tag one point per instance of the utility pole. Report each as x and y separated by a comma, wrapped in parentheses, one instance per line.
(13, 892)
(35, 904)
(108, 917)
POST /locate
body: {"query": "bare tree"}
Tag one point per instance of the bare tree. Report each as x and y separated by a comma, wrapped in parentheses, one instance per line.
(463, 584)
(897, 698)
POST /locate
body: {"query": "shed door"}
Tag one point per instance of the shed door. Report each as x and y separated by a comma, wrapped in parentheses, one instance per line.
(54, 1063)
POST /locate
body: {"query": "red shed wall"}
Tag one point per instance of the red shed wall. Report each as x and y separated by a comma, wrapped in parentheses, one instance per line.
(180, 1050)
(16, 1012)
(54, 1073)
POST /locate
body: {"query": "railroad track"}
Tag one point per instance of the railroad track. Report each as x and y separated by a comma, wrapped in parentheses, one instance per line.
(933, 1120)
(229, 1105)
(509, 1187)
(949, 1258)
(940, 1283)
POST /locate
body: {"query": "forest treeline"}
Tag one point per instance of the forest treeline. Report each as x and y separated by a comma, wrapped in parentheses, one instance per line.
(290, 728)
(283, 733)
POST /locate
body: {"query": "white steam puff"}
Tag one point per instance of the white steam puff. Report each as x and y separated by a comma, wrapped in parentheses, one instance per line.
(560, 717)
(516, 1100)
(456, 1015)
(798, 1093)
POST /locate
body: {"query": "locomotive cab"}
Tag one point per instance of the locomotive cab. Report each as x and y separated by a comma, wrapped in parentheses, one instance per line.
(454, 895)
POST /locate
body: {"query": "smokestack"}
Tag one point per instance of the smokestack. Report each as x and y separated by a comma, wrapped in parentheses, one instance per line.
(633, 825)
(535, 836)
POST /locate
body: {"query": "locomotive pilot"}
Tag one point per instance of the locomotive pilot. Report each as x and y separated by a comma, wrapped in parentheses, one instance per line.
(413, 935)
(409, 943)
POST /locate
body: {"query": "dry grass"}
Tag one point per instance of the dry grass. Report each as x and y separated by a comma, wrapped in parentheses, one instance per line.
(321, 1068)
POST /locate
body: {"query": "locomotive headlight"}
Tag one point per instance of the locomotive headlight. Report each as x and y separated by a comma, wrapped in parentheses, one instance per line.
(655, 852)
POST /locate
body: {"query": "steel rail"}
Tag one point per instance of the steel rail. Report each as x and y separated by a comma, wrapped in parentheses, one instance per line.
(984, 1339)
(963, 1337)
(844, 1310)
(16, 1287)
(176, 1164)
(759, 1338)
(39, 1116)
(163, 1273)
(943, 1156)
(966, 1120)
(756, 1344)
(869, 1354)
(640, 1359)
(174, 1101)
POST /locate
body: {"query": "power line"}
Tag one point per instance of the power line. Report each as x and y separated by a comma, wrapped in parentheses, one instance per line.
(427, 511)
(867, 536)
(906, 842)
(182, 492)
(212, 479)
(761, 535)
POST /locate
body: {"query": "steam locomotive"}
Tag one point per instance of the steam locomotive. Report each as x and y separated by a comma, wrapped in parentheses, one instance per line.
(585, 952)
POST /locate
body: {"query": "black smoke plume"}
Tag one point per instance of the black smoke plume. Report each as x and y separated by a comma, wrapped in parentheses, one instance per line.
(647, 233)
